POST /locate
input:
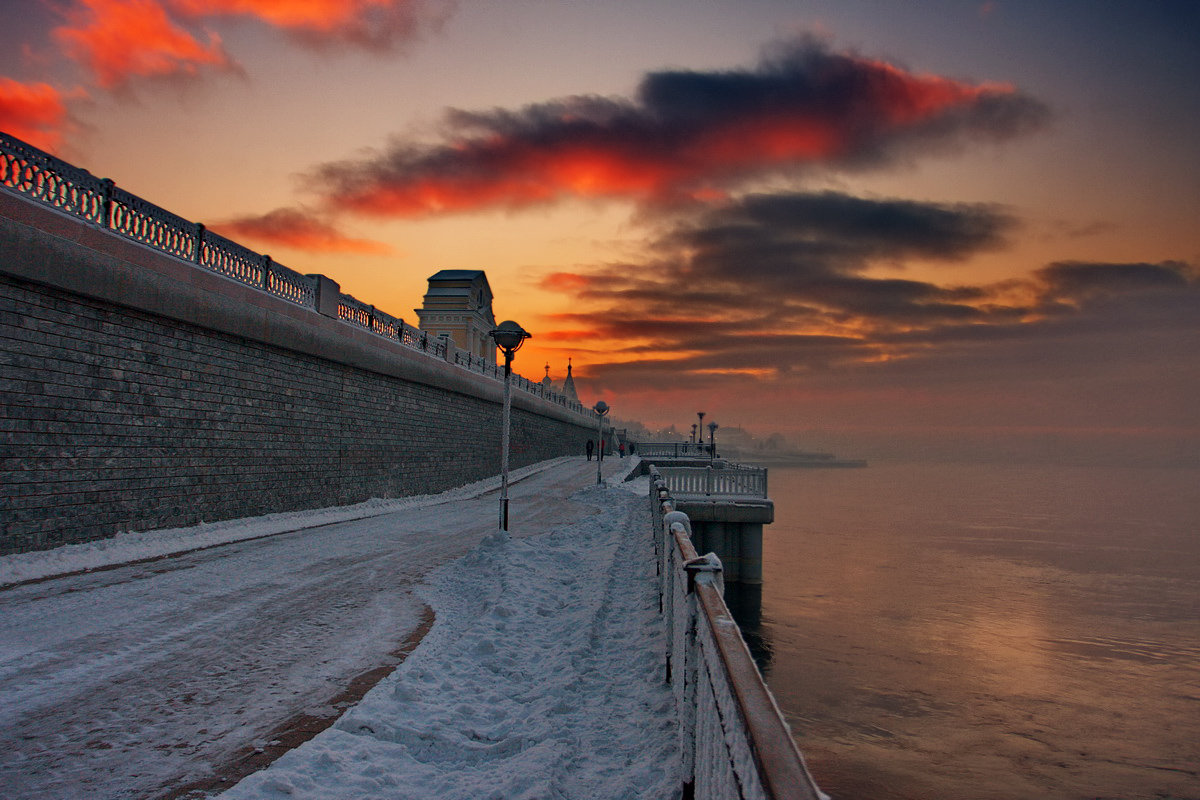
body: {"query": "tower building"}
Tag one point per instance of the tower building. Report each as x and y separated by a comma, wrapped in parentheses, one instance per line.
(458, 307)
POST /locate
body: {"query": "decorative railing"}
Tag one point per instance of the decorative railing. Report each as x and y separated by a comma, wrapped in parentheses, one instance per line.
(42, 177)
(734, 740)
(722, 478)
(379, 322)
(673, 449)
(36, 175)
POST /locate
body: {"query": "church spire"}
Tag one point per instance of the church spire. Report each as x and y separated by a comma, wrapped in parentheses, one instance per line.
(569, 385)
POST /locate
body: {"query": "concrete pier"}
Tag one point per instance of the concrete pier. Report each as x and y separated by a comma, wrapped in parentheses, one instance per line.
(727, 505)
(731, 527)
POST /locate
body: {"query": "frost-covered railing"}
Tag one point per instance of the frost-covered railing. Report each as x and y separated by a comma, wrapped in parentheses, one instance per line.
(735, 743)
(721, 479)
(355, 312)
(672, 449)
(39, 176)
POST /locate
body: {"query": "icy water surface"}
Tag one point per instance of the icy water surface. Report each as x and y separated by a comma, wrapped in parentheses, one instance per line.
(986, 633)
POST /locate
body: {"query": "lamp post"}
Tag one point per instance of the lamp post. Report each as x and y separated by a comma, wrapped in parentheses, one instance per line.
(693, 433)
(712, 444)
(700, 431)
(509, 336)
(601, 408)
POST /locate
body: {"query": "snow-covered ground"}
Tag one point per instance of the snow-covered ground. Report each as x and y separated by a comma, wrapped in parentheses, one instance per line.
(540, 678)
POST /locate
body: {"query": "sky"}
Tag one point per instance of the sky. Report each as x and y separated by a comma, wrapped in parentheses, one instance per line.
(946, 230)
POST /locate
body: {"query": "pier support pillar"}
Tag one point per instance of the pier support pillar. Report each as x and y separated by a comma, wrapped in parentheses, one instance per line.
(731, 528)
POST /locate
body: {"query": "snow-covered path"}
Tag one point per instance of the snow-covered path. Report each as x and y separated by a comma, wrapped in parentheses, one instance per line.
(129, 681)
(543, 677)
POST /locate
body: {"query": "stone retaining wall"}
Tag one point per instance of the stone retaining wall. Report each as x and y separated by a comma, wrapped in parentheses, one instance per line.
(140, 393)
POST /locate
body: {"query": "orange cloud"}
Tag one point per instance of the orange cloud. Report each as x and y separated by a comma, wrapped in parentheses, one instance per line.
(320, 15)
(122, 39)
(292, 228)
(371, 23)
(687, 135)
(568, 336)
(33, 112)
(566, 282)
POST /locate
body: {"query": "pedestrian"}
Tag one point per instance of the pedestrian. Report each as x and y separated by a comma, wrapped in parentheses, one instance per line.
(621, 448)
(590, 447)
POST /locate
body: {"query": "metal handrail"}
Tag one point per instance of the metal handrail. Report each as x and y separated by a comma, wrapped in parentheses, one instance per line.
(735, 741)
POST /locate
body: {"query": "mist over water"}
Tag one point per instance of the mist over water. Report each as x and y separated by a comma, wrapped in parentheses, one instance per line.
(986, 633)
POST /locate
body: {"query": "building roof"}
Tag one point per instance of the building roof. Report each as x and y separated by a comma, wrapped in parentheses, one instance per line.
(458, 275)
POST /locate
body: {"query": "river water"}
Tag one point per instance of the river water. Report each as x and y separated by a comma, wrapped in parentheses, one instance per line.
(987, 632)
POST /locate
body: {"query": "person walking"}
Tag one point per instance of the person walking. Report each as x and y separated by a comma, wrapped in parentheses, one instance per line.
(621, 449)
(590, 447)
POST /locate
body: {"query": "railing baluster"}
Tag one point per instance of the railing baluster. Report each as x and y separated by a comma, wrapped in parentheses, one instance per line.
(109, 186)
(199, 255)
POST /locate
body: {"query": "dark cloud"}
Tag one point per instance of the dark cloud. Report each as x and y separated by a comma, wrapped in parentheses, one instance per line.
(797, 237)
(686, 134)
(1081, 281)
(798, 255)
(892, 299)
(777, 286)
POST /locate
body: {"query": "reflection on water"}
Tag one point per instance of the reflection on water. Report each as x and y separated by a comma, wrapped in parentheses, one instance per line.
(987, 633)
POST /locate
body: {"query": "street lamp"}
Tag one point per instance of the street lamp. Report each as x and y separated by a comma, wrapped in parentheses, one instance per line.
(700, 431)
(693, 433)
(509, 336)
(601, 408)
(712, 445)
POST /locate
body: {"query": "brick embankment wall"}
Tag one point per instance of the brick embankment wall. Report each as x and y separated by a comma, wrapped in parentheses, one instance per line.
(119, 418)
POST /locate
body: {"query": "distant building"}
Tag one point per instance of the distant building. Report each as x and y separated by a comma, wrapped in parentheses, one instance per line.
(458, 307)
(568, 386)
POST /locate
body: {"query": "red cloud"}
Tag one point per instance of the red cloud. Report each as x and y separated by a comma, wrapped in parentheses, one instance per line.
(686, 135)
(34, 112)
(371, 23)
(567, 282)
(568, 336)
(291, 228)
(121, 39)
(907, 98)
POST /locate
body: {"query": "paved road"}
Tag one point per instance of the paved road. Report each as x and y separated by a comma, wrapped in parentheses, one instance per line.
(131, 682)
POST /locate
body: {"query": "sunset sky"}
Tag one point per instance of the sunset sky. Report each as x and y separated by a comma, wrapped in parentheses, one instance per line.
(890, 229)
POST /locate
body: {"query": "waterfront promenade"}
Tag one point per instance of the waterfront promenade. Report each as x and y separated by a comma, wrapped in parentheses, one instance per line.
(540, 676)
